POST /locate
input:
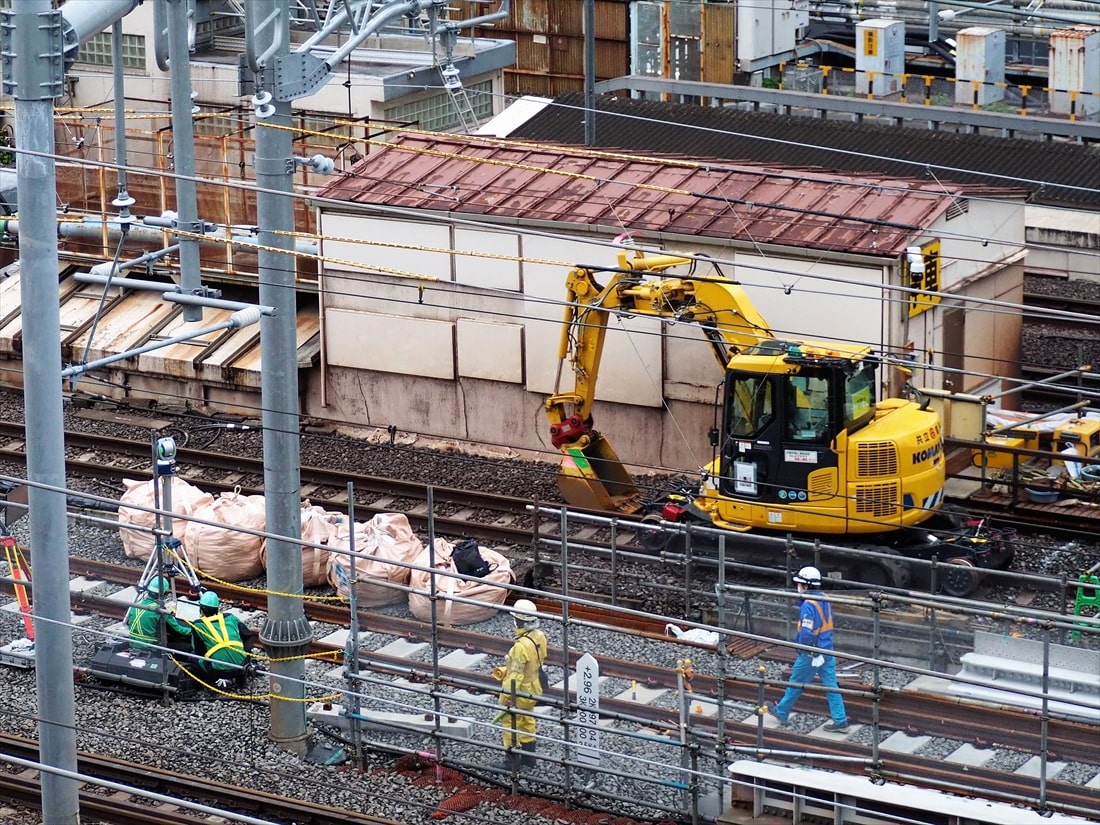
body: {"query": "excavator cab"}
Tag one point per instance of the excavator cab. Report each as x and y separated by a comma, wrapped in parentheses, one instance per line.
(781, 419)
(797, 451)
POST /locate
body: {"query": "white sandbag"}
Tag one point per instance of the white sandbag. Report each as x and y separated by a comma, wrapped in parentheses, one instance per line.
(692, 634)
(318, 527)
(138, 543)
(486, 590)
(379, 543)
(220, 550)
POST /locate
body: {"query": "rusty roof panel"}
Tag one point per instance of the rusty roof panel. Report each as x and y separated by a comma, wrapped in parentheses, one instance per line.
(692, 196)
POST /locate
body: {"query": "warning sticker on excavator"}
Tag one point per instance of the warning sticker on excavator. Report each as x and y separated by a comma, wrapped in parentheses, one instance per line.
(579, 459)
(800, 456)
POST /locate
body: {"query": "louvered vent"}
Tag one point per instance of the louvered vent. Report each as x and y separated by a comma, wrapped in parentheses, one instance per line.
(876, 459)
(959, 206)
(878, 500)
(822, 483)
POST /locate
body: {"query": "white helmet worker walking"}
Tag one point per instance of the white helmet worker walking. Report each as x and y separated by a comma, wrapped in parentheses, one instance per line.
(815, 630)
(809, 576)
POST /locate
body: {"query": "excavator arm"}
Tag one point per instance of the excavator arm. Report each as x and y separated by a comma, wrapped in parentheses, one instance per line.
(592, 475)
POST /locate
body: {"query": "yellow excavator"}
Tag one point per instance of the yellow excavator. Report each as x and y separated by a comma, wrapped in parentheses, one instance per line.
(802, 447)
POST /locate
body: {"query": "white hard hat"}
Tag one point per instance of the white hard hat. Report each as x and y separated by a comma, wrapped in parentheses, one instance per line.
(808, 575)
(524, 610)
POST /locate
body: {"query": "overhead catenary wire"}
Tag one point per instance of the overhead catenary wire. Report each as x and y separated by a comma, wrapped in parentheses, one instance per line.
(801, 274)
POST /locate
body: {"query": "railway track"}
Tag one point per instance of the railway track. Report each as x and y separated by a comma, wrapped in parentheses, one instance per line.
(1067, 345)
(1061, 303)
(724, 704)
(915, 714)
(505, 520)
(490, 518)
(114, 793)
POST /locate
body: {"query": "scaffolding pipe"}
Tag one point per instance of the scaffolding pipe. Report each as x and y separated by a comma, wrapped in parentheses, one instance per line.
(171, 292)
(108, 269)
(143, 235)
(1077, 373)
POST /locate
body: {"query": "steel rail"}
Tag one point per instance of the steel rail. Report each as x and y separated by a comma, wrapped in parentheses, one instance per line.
(916, 712)
(120, 808)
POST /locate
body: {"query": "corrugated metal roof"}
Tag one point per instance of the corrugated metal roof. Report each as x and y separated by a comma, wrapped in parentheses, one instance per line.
(799, 141)
(677, 194)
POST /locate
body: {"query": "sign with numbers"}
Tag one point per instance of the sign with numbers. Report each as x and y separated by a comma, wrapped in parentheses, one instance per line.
(588, 713)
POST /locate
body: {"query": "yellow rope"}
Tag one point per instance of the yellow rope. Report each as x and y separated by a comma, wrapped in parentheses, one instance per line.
(255, 697)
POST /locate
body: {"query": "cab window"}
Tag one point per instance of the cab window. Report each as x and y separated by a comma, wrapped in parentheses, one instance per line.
(859, 397)
(751, 406)
(808, 408)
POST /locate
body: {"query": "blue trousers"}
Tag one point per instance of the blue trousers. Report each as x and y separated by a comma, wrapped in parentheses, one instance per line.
(803, 673)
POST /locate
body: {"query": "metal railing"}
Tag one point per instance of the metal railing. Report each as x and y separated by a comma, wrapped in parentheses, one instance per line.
(602, 755)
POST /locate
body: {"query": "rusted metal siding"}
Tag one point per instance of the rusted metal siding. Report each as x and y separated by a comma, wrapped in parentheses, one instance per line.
(532, 54)
(549, 38)
(718, 60)
(613, 21)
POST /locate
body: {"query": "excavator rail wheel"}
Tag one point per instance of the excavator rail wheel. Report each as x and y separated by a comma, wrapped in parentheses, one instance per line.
(652, 537)
(959, 578)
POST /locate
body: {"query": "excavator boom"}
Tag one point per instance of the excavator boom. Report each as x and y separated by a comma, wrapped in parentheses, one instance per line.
(592, 475)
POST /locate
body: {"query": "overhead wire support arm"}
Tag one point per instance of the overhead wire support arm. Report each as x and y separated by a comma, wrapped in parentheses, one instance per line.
(258, 28)
(240, 318)
(305, 70)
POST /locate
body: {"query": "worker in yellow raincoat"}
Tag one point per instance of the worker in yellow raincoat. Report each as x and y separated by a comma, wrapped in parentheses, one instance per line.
(518, 676)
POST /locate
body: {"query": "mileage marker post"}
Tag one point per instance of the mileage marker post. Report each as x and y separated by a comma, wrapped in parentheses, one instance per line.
(588, 713)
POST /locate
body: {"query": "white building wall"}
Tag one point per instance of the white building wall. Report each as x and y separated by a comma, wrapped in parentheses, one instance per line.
(1063, 242)
(497, 322)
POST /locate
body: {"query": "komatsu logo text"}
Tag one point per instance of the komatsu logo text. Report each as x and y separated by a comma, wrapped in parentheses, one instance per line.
(928, 453)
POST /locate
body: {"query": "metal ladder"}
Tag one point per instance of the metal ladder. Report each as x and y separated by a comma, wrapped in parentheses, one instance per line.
(452, 82)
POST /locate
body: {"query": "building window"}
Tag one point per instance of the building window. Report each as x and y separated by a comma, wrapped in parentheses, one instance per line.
(97, 51)
(219, 126)
(437, 113)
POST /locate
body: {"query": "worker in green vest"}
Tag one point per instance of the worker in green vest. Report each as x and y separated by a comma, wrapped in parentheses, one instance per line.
(143, 620)
(223, 641)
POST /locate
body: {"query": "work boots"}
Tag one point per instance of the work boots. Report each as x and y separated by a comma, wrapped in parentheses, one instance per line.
(527, 760)
(520, 759)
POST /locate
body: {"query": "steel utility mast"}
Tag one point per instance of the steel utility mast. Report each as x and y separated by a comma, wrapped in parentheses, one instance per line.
(280, 77)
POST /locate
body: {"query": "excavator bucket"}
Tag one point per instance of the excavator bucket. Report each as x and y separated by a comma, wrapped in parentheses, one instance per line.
(593, 478)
